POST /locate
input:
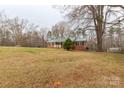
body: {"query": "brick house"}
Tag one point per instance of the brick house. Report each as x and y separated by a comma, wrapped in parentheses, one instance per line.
(80, 42)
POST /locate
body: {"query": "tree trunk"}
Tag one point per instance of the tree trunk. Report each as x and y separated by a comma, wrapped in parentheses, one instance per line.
(99, 25)
(99, 28)
(99, 34)
(99, 44)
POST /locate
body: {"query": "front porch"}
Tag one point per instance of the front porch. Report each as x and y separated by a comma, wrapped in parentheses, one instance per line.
(55, 44)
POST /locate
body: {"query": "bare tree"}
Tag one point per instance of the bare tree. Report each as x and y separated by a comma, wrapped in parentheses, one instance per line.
(43, 35)
(20, 32)
(61, 29)
(111, 33)
(95, 17)
(17, 27)
(5, 34)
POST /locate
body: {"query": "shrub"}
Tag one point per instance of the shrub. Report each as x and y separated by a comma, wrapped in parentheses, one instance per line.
(68, 44)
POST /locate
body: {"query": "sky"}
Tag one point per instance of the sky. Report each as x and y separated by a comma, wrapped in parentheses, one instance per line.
(42, 15)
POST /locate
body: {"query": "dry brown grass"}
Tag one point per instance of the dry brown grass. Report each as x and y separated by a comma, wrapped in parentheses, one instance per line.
(38, 67)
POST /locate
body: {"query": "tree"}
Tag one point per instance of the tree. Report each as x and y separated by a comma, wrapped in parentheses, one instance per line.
(111, 32)
(15, 31)
(5, 33)
(43, 35)
(17, 27)
(72, 34)
(96, 17)
(49, 34)
(82, 32)
(61, 29)
(68, 44)
(118, 32)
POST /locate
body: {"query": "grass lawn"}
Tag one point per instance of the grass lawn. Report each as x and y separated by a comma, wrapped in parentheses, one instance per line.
(44, 67)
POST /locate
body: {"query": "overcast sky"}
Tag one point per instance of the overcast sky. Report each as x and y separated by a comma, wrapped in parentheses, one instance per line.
(42, 15)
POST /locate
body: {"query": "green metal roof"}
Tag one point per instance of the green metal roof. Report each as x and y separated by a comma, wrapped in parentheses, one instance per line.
(56, 40)
(62, 39)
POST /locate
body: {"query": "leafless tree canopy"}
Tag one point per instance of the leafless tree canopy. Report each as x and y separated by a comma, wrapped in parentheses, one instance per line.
(102, 24)
(19, 32)
(98, 18)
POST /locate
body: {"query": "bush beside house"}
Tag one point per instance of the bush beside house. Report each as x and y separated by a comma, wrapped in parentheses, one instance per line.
(68, 44)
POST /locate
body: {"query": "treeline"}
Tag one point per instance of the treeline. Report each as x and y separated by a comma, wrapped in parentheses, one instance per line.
(19, 32)
(112, 37)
